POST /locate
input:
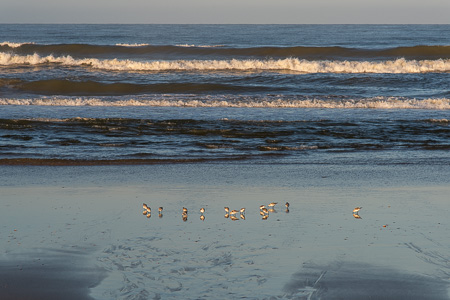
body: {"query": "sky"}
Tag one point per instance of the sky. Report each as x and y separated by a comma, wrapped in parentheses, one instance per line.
(226, 11)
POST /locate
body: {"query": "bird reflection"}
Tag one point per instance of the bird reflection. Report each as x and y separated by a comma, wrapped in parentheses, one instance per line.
(184, 217)
(227, 216)
(287, 210)
(234, 218)
(357, 216)
(242, 217)
(202, 217)
(149, 215)
(265, 217)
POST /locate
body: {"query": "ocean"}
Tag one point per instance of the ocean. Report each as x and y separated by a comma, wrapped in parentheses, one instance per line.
(289, 94)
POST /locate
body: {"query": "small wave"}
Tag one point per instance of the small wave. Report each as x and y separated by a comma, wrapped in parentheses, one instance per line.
(364, 103)
(93, 88)
(273, 65)
(199, 46)
(14, 45)
(418, 52)
(132, 45)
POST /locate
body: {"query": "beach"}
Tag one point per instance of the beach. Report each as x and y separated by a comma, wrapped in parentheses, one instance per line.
(84, 226)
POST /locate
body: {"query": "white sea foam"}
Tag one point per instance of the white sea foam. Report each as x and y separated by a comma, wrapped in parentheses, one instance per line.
(133, 45)
(14, 45)
(199, 46)
(366, 103)
(290, 64)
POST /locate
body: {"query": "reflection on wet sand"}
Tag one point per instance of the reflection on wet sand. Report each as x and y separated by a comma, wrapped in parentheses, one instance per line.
(352, 280)
(229, 214)
(357, 216)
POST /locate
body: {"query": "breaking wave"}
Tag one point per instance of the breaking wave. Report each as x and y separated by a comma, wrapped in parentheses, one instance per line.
(274, 102)
(289, 64)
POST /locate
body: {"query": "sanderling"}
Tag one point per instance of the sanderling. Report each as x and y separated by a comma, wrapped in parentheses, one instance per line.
(357, 209)
(272, 204)
(144, 206)
(184, 210)
(202, 210)
(287, 205)
(242, 210)
(265, 210)
(233, 212)
(261, 207)
(160, 209)
(227, 209)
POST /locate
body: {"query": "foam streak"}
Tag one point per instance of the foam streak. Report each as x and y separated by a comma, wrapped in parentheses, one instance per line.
(273, 65)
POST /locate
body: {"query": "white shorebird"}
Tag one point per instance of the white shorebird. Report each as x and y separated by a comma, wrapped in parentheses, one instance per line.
(272, 204)
(144, 206)
(357, 209)
(185, 210)
(261, 207)
(265, 210)
(233, 212)
(242, 210)
(160, 209)
(202, 210)
(227, 210)
(287, 205)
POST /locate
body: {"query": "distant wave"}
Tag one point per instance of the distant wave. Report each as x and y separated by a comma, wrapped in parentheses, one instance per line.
(14, 45)
(269, 102)
(132, 45)
(333, 52)
(288, 64)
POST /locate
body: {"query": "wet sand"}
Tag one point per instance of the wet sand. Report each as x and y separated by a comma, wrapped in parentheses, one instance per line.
(80, 232)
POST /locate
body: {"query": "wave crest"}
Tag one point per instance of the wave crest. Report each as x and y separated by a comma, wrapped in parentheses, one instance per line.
(364, 103)
(289, 64)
